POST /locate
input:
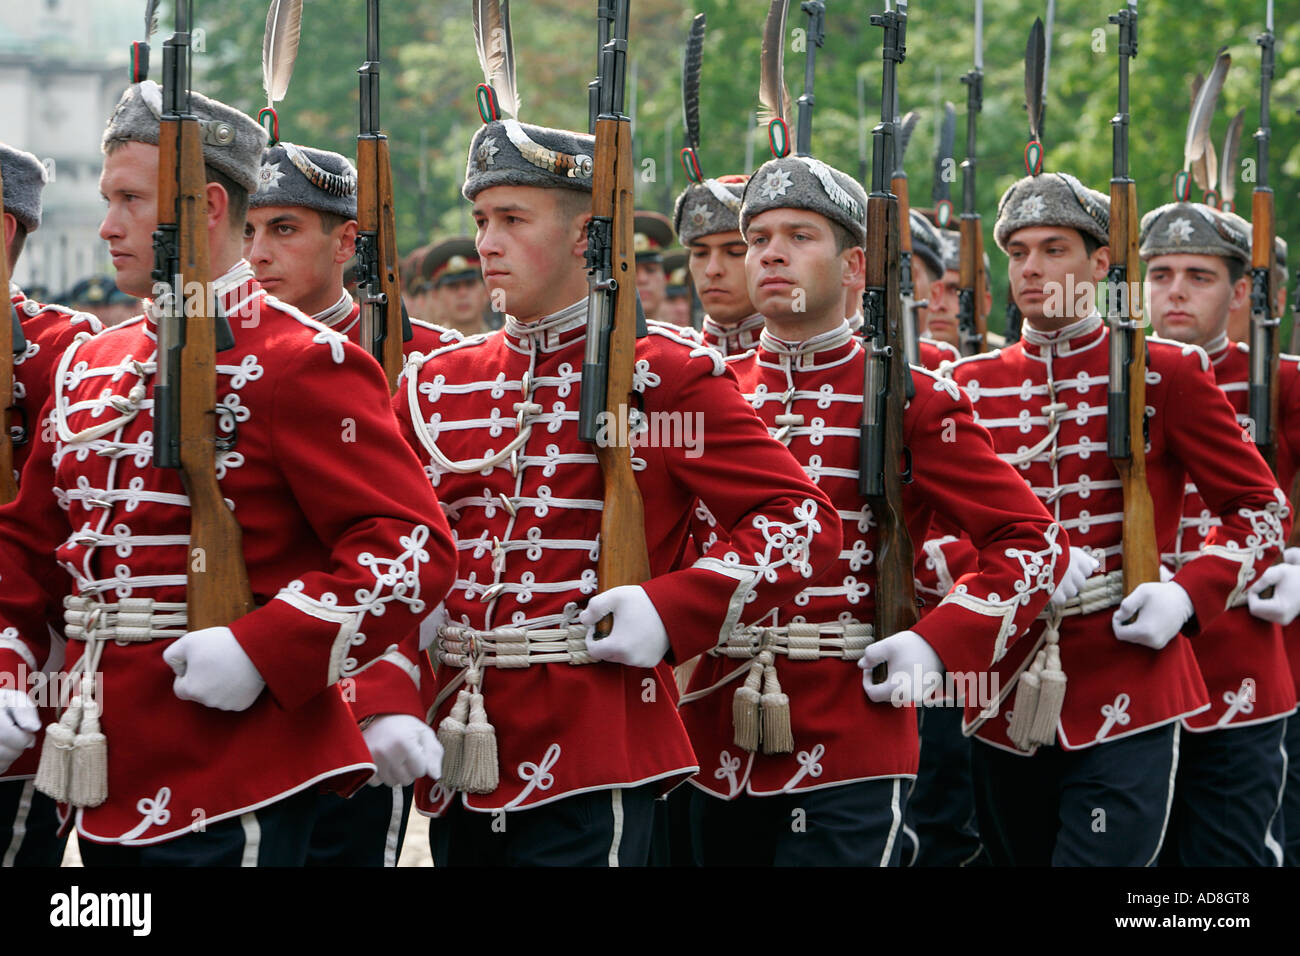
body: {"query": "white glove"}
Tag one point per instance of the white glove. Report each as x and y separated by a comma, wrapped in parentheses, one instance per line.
(1082, 566)
(910, 661)
(1284, 604)
(404, 749)
(1291, 556)
(19, 724)
(1161, 609)
(429, 626)
(637, 639)
(213, 670)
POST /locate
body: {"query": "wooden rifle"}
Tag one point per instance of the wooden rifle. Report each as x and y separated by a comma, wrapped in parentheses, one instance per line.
(12, 342)
(614, 319)
(886, 373)
(1126, 397)
(384, 323)
(972, 330)
(191, 330)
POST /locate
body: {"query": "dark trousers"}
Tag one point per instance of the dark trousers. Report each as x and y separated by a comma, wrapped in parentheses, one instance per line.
(1291, 797)
(855, 824)
(1228, 797)
(276, 835)
(671, 845)
(941, 806)
(1105, 805)
(366, 829)
(29, 826)
(600, 828)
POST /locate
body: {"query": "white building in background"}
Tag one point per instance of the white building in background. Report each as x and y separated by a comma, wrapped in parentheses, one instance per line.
(63, 65)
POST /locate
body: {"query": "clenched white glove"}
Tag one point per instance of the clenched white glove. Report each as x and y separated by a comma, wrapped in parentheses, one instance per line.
(1161, 609)
(637, 639)
(429, 626)
(19, 724)
(404, 749)
(213, 670)
(1284, 604)
(913, 667)
(1082, 566)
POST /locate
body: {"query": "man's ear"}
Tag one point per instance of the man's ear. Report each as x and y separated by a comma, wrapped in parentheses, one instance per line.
(347, 242)
(11, 230)
(579, 223)
(854, 261)
(1240, 293)
(218, 205)
(1101, 263)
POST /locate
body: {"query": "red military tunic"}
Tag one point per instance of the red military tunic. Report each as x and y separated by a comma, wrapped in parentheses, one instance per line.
(495, 418)
(934, 353)
(343, 561)
(733, 339)
(49, 329)
(840, 736)
(403, 682)
(1242, 658)
(1043, 399)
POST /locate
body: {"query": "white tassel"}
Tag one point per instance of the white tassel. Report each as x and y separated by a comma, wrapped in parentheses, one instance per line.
(745, 707)
(1026, 704)
(89, 784)
(480, 754)
(451, 734)
(1051, 698)
(55, 768)
(778, 738)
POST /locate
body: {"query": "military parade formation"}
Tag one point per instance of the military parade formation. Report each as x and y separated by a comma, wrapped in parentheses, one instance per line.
(764, 550)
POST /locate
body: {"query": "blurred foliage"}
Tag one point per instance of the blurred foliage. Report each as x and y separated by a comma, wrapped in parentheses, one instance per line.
(429, 73)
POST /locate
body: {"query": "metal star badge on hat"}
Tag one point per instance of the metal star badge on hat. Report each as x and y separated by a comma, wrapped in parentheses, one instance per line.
(1032, 207)
(486, 151)
(1179, 230)
(699, 217)
(268, 177)
(776, 183)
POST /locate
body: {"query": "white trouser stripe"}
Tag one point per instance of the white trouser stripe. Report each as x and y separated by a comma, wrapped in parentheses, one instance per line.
(20, 823)
(252, 838)
(394, 829)
(1270, 843)
(895, 826)
(616, 804)
(1169, 800)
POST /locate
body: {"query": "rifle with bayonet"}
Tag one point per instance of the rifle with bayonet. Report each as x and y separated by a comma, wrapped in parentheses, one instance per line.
(614, 319)
(1126, 396)
(816, 34)
(1264, 325)
(12, 342)
(384, 323)
(906, 282)
(191, 330)
(886, 374)
(1036, 60)
(971, 329)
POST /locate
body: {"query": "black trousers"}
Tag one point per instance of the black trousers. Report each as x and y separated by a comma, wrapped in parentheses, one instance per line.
(941, 807)
(366, 829)
(855, 824)
(1227, 800)
(276, 835)
(29, 826)
(600, 828)
(1106, 805)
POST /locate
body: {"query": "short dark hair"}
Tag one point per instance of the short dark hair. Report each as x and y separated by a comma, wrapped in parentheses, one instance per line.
(571, 203)
(236, 195)
(1090, 243)
(16, 246)
(329, 221)
(843, 238)
(1236, 268)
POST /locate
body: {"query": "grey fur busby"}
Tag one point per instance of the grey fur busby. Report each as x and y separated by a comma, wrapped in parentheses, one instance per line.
(801, 182)
(24, 178)
(1052, 199)
(1195, 229)
(708, 207)
(509, 153)
(232, 142)
(312, 178)
(926, 244)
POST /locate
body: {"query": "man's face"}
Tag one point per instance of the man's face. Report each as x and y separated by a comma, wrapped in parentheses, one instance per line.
(717, 266)
(528, 248)
(293, 258)
(793, 268)
(676, 310)
(461, 303)
(651, 286)
(941, 312)
(129, 185)
(1048, 268)
(1191, 295)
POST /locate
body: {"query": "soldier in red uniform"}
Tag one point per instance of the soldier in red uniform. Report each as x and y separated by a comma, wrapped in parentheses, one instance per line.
(216, 738)
(707, 220)
(825, 780)
(459, 297)
(1232, 764)
(28, 821)
(586, 733)
(301, 231)
(1089, 780)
